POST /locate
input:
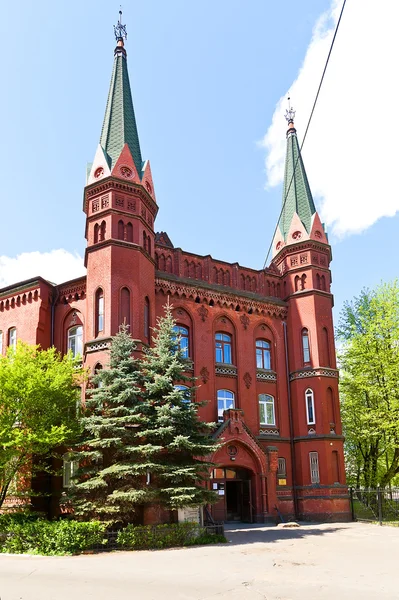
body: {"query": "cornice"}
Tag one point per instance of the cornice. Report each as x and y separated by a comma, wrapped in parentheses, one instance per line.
(174, 287)
(112, 183)
(121, 244)
(301, 247)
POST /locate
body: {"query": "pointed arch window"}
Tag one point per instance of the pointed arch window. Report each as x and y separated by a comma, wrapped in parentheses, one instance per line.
(99, 311)
(12, 337)
(263, 354)
(184, 344)
(121, 230)
(223, 348)
(310, 412)
(75, 340)
(147, 318)
(305, 346)
(129, 232)
(326, 346)
(103, 227)
(125, 306)
(225, 400)
(96, 232)
(267, 414)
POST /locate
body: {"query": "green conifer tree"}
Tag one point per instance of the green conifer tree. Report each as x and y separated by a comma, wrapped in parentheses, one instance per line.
(180, 467)
(110, 484)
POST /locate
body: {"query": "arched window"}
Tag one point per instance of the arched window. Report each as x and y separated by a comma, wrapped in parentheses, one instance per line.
(129, 232)
(96, 228)
(12, 337)
(225, 400)
(182, 334)
(144, 241)
(296, 282)
(169, 268)
(303, 282)
(263, 354)
(223, 348)
(125, 306)
(75, 340)
(103, 227)
(330, 407)
(266, 410)
(97, 369)
(310, 413)
(121, 230)
(147, 318)
(326, 348)
(186, 392)
(305, 346)
(99, 311)
(323, 283)
(318, 282)
(314, 467)
(148, 244)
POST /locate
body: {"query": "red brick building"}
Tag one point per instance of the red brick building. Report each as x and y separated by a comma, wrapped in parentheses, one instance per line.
(261, 342)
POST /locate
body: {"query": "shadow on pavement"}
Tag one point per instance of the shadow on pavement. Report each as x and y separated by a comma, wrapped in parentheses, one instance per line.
(252, 534)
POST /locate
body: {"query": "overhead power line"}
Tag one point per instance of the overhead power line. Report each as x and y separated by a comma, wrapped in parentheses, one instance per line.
(307, 128)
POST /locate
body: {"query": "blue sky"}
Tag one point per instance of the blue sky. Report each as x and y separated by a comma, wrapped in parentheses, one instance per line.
(207, 78)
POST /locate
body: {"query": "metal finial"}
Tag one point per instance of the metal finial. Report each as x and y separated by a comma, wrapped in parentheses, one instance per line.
(119, 29)
(290, 112)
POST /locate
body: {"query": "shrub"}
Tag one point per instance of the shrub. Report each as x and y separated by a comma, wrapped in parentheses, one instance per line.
(51, 537)
(165, 536)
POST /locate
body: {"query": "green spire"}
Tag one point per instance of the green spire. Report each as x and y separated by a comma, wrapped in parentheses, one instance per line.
(119, 127)
(296, 192)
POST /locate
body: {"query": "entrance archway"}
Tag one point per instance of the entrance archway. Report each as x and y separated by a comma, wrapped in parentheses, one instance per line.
(234, 486)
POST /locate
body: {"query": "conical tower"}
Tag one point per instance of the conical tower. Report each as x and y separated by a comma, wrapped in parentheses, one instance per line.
(120, 207)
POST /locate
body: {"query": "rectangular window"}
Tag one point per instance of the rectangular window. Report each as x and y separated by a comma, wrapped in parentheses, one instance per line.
(12, 337)
(69, 469)
(314, 467)
(282, 468)
(266, 410)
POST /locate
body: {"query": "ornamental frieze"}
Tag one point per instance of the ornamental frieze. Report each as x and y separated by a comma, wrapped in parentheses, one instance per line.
(318, 372)
(176, 288)
(19, 299)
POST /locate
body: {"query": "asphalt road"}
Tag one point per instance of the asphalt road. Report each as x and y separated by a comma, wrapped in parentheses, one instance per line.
(345, 561)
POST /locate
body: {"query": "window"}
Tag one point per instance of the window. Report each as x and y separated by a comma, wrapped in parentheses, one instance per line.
(223, 348)
(12, 337)
(186, 390)
(125, 307)
(99, 311)
(147, 318)
(121, 230)
(129, 232)
(266, 410)
(1, 342)
(263, 354)
(314, 467)
(305, 346)
(97, 370)
(335, 466)
(96, 228)
(225, 401)
(183, 341)
(75, 340)
(69, 468)
(326, 348)
(310, 414)
(282, 467)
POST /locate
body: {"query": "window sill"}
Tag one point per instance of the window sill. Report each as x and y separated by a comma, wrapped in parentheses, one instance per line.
(266, 375)
(225, 370)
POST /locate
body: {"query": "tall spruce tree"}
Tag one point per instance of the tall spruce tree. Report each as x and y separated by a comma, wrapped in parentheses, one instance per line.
(180, 467)
(110, 484)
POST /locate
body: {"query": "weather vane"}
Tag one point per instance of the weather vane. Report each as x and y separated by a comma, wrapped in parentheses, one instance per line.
(119, 29)
(290, 112)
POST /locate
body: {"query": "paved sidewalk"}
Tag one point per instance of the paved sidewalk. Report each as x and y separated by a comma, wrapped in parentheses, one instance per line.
(346, 561)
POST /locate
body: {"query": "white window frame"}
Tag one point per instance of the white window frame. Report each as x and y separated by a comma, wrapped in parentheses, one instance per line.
(306, 349)
(266, 400)
(221, 397)
(314, 467)
(12, 337)
(76, 338)
(69, 468)
(182, 337)
(309, 396)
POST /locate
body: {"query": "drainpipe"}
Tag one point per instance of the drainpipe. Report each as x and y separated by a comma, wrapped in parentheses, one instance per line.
(54, 298)
(292, 445)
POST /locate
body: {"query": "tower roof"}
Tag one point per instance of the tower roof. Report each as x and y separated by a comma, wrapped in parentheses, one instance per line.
(119, 127)
(296, 191)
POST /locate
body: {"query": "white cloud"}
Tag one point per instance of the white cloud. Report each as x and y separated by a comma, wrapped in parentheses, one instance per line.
(56, 266)
(350, 152)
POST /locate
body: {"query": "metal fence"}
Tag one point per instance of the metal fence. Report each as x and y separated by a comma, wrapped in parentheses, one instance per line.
(380, 505)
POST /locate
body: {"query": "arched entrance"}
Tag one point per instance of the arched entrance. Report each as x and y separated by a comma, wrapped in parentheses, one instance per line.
(235, 488)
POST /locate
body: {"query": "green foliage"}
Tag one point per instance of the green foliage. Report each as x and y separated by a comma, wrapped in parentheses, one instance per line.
(46, 537)
(165, 536)
(39, 394)
(176, 444)
(369, 330)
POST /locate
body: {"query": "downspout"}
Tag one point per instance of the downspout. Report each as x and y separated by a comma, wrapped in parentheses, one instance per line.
(292, 445)
(54, 299)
